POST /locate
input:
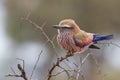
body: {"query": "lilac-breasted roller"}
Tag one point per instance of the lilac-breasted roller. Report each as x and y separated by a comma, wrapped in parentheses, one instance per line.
(71, 38)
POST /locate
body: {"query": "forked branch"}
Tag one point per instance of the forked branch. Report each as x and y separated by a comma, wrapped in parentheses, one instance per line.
(57, 64)
(22, 73)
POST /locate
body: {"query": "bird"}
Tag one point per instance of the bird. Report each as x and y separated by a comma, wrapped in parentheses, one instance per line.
(75, 40)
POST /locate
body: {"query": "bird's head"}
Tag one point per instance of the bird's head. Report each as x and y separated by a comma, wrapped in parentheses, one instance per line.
(67, 25)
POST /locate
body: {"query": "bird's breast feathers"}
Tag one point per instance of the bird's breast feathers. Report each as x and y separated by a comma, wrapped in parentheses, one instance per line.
(74, 43)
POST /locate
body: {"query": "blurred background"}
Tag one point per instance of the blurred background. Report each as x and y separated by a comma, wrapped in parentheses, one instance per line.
(21, 39)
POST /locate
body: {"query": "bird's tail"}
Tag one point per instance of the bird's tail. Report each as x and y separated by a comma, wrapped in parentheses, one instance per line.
(97, 37)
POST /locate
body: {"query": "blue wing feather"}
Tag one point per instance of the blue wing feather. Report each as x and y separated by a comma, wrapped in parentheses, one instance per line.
(97, 37)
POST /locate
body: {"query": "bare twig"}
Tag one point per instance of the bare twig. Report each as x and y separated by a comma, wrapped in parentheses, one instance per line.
(115, 44)
(65, 71)
(13, 70)
(23, 62)
(72, 62)
(62, 72)
(67, 65)
(79, 68)
(35, 65)
(40, 28)
(59, 60)
(110, 42)
(97, 64)
(83, 61)
(22, 73)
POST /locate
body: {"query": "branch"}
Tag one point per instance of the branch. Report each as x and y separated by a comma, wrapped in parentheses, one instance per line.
(42, 31)
(62, 72)
(22, 73)
(35, 65)
(57, 64)
(79, 68)
(112, 43)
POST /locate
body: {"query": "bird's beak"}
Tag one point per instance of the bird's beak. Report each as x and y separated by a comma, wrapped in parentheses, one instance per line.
(56, 26)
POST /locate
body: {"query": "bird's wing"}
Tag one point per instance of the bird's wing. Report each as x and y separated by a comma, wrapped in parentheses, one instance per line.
(82, 38)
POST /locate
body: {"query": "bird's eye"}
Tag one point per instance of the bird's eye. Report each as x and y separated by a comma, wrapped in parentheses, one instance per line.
(66, 27)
